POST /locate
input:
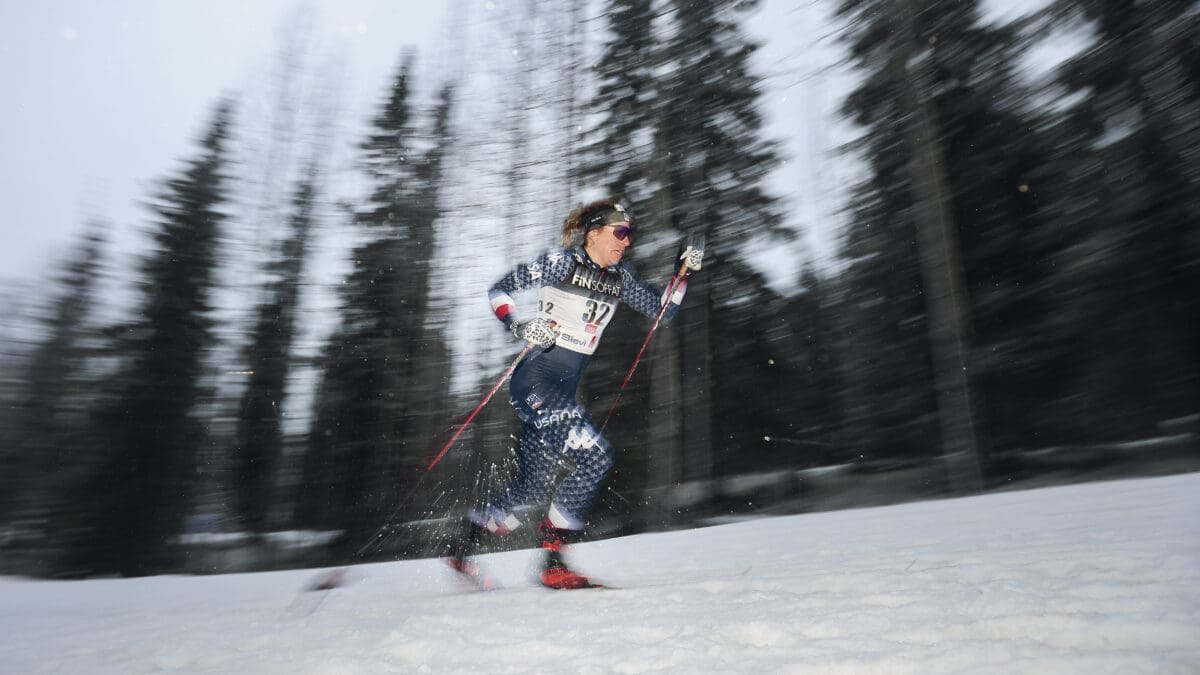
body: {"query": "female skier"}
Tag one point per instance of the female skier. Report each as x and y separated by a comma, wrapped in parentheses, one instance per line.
(579, 289)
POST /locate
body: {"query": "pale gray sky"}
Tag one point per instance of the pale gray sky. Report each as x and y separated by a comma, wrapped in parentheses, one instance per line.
(102, 99)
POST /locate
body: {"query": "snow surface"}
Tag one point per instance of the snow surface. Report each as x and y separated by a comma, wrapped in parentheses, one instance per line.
(1095, 578)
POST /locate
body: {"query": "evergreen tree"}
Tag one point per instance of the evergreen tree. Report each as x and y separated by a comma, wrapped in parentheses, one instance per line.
(680, 136)
(426, 366)
(621, 156)
(888, 404)
(1126, 187)
(799, 368)
(259, 440)
(718, 155)
(948, 143)
(279, 223)
(381, 379)
(131, 504)
(716, 159)
(49, 414)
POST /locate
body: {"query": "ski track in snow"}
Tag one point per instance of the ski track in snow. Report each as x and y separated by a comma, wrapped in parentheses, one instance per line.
(1095, 578)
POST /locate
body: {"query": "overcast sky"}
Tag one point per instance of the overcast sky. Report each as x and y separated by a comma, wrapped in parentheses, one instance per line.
(103, 99)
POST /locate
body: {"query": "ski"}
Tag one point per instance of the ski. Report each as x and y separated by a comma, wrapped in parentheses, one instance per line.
(567, 581)
(472, 575)
(582, 587)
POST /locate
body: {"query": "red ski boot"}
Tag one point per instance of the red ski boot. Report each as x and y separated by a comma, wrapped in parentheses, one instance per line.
(556, 574)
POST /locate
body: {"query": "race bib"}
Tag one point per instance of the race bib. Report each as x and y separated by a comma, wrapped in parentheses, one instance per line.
(582, 305)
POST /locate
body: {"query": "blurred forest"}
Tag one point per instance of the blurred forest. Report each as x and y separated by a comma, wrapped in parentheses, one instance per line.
(1015, 302)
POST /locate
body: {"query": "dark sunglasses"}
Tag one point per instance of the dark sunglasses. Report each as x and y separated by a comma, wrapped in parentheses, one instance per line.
(622, 232)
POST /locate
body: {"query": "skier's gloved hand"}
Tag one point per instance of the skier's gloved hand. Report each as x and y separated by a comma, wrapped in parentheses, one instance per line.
(691, 251)
(539, 332)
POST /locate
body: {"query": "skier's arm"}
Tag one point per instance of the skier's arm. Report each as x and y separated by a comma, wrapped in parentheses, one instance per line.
(647, 300)
(548, 268)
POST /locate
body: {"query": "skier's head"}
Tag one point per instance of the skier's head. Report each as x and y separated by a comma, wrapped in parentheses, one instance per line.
(589, 218)
(607, 230)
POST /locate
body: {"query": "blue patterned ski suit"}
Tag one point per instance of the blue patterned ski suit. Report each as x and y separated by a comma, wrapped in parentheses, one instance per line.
(580, 297)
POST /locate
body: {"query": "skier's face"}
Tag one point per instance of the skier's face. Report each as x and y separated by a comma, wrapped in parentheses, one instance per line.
(606, 245)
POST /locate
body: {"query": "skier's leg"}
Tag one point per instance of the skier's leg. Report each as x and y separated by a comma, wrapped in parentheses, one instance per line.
(463, 545)
(555, 540)
(493, 514)
(591, 458)
(537, 466)
(539, 459)
(536, 469)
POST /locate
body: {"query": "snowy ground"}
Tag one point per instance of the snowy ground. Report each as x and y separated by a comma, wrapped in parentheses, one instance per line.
(1096, 578)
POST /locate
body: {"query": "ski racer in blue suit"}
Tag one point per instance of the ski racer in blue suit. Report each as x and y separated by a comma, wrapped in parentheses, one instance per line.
(579, 289)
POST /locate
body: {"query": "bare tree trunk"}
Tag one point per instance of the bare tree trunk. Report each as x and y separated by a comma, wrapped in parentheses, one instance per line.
(666, 441)
(695, 402)
(665, 461)
(941, 263)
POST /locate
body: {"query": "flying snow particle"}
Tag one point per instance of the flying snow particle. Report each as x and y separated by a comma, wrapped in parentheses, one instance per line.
(68, 33)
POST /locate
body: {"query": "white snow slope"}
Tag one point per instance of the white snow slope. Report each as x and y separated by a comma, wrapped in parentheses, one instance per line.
(1095, 578)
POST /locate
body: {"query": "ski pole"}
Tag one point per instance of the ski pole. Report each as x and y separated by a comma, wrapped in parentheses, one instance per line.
(446, 447)
(675, 281)
(487, 397)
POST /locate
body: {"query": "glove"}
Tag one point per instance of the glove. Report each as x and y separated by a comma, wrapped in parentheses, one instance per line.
(691, 251)
(539, 332)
